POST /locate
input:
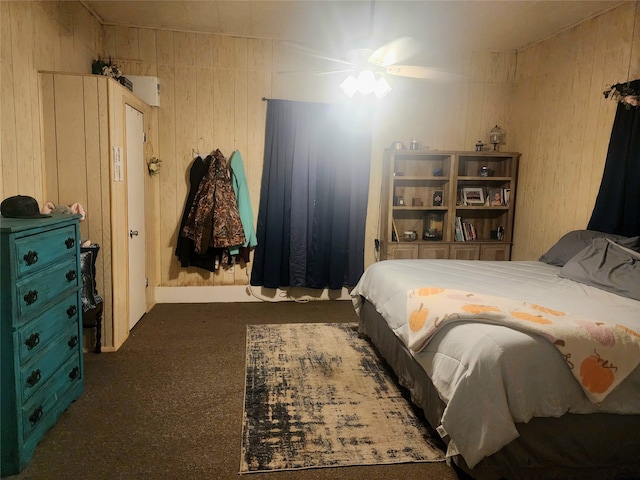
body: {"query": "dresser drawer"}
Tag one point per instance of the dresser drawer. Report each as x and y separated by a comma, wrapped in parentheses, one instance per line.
(34, 336)
(35, 252)
(37, 413)
(36, 373)
(36, 290)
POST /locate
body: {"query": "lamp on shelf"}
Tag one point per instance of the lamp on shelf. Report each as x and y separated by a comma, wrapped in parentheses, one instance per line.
(366, 84)
(495, 137)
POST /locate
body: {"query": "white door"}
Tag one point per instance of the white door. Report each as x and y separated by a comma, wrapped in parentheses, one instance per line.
(136, 168)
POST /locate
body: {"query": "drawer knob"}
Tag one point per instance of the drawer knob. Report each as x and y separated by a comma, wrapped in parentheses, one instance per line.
(75, 371)
(31, 297)
(30, 257)
(71, 311)
(34, 378)
(73, 341)
(36, 416)
(32, 341)
(71, 275)
(70, 242)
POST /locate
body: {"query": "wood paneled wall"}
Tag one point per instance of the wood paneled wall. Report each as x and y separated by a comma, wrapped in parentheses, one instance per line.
(562, 123)
(76, 164)
(211, 97)
(61, 36)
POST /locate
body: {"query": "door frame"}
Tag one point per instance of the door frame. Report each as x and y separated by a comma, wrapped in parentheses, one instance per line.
(142, 228)
(118, 98)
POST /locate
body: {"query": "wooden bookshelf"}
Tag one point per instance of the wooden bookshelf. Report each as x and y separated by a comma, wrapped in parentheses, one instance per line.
(424, 191)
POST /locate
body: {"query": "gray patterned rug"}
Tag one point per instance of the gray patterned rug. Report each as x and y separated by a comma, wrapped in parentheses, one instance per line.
(316, 395)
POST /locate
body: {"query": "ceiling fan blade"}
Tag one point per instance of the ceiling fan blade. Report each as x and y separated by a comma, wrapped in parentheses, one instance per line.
(395, 51)
(423, 73)
(315, 54)
(312, 72)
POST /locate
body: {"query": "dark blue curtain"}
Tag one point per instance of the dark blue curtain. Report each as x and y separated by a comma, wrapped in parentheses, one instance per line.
(313, 198)
(617, 208)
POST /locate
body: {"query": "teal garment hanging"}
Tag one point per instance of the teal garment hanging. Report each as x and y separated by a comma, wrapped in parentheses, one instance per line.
(239, 181)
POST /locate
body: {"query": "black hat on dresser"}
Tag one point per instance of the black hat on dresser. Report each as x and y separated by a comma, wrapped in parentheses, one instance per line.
(21, 206)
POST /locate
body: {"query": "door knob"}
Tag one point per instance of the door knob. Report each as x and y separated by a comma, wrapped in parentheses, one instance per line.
(133, 233)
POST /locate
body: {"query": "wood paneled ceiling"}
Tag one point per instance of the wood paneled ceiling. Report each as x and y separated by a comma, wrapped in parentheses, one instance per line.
(444, 25)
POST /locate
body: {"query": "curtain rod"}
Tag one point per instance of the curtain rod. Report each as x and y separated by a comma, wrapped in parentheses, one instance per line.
(264, 99)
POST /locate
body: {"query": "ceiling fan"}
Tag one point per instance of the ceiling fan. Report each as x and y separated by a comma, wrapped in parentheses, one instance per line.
(371, 62)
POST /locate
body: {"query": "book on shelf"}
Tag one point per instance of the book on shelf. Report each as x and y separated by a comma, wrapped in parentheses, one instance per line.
(469, 231)
(464, 231)
(459, 235)
(506, 196)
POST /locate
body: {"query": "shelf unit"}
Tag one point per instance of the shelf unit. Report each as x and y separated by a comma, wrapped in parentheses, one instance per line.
(421, 198)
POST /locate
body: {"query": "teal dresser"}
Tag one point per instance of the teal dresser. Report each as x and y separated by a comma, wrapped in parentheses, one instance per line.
(41, 336)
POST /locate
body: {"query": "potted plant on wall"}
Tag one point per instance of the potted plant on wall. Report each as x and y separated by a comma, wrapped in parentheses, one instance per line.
(106, 67)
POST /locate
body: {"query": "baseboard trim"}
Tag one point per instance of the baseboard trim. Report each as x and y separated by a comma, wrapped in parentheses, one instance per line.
(244, 293)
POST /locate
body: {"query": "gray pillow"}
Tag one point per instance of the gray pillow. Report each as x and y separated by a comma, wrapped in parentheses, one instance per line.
(573, 242)
(606, 265)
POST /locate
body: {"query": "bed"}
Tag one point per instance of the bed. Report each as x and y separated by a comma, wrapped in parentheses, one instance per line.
(512, 402)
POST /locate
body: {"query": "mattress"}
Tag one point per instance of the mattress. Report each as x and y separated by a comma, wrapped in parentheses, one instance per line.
(491, 377)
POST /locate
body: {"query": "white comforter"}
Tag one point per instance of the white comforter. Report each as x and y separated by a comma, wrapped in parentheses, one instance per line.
(491, 376)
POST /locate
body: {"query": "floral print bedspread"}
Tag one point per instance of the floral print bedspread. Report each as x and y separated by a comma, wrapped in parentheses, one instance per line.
(600, 355)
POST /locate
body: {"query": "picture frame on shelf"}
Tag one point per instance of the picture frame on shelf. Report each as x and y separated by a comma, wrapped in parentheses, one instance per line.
(438, 198)
(495, 197)
(473, 196)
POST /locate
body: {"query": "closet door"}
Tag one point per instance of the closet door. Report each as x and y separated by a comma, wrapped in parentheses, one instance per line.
(135, 213)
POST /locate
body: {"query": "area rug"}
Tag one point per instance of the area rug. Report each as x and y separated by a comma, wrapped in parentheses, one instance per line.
(317, 395)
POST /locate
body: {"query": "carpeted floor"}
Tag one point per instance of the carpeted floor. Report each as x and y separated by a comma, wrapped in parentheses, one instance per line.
(168, 404)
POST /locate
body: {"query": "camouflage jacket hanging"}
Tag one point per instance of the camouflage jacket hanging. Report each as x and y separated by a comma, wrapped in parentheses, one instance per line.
(214, 219)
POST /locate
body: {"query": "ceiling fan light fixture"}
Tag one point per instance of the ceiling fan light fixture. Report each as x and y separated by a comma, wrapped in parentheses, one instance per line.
(382, 88)
(349, 86)
(366, 82)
